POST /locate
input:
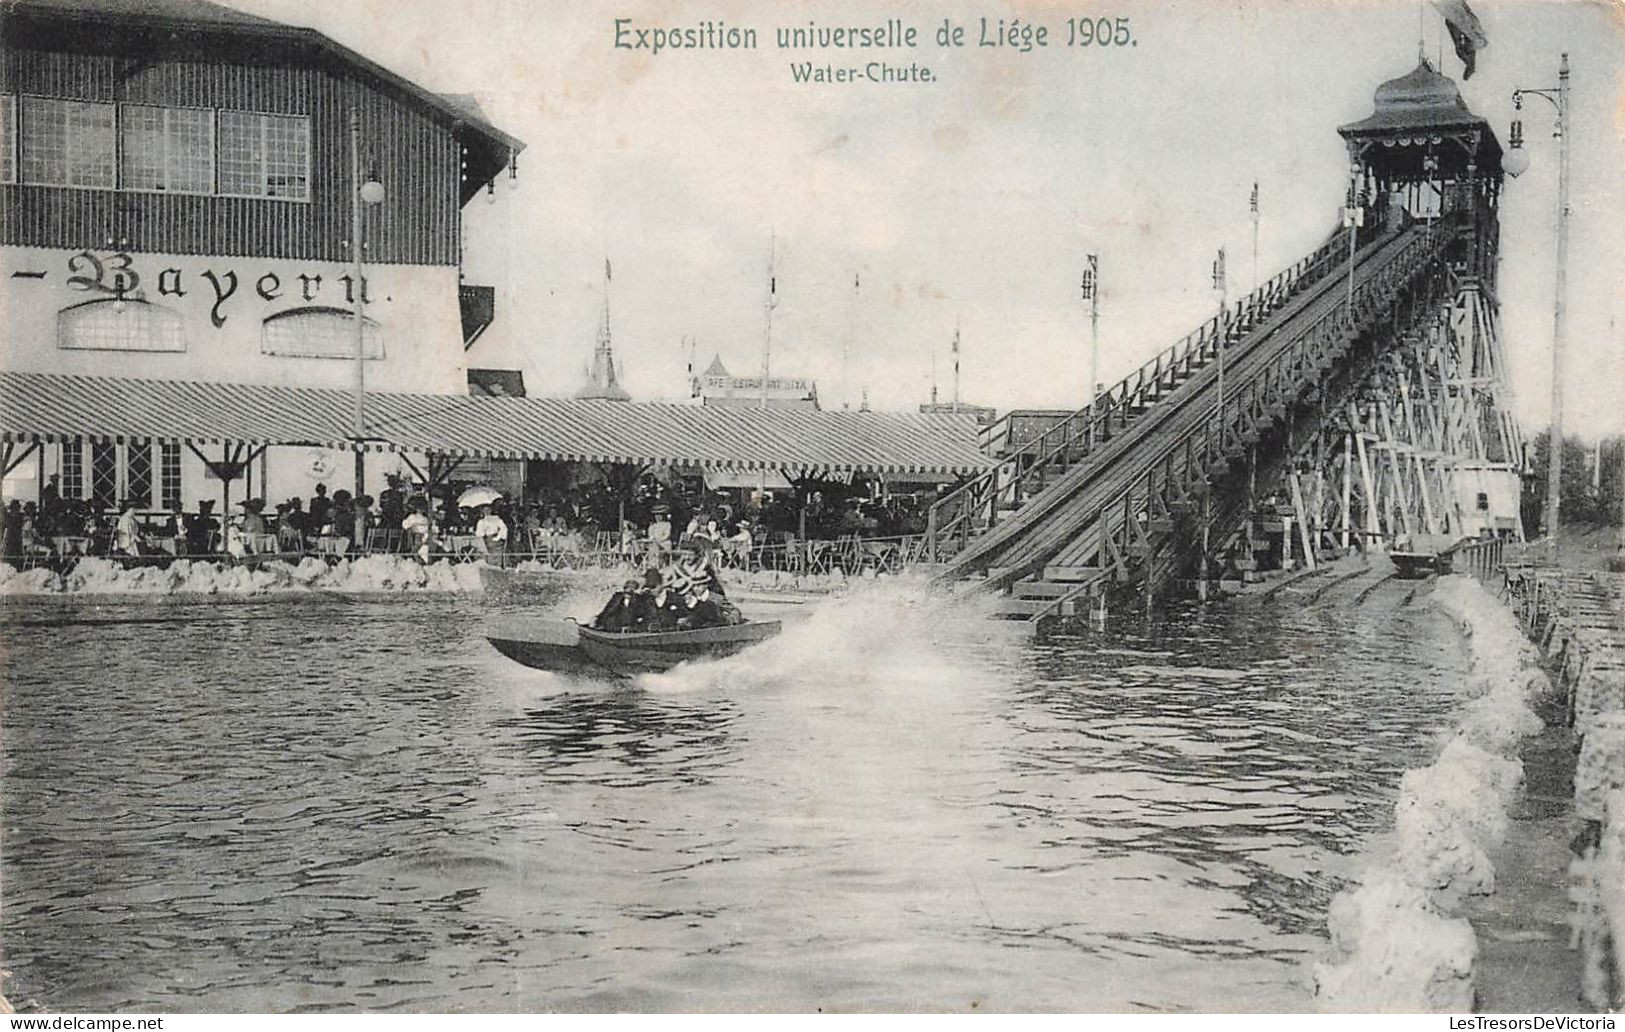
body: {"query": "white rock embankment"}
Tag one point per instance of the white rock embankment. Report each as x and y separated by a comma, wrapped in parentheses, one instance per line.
(1399, 942)
(373, 573)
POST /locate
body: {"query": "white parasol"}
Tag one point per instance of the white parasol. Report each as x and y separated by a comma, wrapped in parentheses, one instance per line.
(475, 497)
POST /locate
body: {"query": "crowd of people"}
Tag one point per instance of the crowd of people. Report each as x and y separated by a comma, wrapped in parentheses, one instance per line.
(685, 595)
(640, 521)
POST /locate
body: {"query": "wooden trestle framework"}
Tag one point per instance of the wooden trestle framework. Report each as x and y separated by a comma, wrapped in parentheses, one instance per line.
(1364, 402)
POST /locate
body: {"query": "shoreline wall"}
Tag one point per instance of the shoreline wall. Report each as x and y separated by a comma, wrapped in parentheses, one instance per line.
(382, 574)
(1579, 620)
(1399, 940)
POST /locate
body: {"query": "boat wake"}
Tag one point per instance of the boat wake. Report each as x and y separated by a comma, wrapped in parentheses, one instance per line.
(883, 633)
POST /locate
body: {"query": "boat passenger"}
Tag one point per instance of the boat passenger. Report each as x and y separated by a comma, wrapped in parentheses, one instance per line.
(700, 610)
(696, 565)
(665, 608)
(623, 610)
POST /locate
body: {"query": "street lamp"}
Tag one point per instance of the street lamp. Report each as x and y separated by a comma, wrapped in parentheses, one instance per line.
(367, 191)
(1515, 163)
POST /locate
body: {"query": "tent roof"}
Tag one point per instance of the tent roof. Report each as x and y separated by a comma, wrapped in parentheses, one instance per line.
(50, 407)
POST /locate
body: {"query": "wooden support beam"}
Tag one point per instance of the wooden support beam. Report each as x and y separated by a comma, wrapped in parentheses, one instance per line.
(1303, 521)
(12, 461)
(1372, 526)
(1348, 473)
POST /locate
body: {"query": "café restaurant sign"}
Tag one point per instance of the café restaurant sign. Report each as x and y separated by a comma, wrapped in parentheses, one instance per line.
(222, 286)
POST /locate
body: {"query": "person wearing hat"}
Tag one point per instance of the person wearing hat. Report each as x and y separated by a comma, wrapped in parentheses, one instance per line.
(126, 531)
(664, 604)
(415, 530)
(290, 526)
(254, 516)
(699, 610)
(695, 565)
(660, 531)
(624, 609)
(493, 534)
(200, 529)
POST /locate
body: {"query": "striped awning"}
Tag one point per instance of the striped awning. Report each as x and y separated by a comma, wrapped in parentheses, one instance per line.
(49, 407)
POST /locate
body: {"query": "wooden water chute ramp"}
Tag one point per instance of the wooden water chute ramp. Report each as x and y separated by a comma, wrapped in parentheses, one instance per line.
(1159, 481)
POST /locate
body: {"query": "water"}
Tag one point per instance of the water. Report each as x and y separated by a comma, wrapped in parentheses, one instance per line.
(336, 803)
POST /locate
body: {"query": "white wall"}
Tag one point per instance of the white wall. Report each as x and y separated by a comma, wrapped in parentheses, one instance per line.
(220, 306)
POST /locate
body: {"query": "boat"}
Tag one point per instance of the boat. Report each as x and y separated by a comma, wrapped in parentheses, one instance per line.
(1417, 555)
(566, 647)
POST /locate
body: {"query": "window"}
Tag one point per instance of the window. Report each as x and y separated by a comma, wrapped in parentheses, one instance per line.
(73, 468)
(169, 474)
(319, 333)
(8, 139)
(138, 472)
(119, 325)
(103, 474)
(170, 149)
(264, 155)
(67, 143)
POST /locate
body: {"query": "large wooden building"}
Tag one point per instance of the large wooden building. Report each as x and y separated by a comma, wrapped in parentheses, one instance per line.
(178, 191)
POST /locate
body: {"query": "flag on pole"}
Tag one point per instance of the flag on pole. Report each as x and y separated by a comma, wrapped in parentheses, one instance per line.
(1466, 32)
(1253, 204)
(1091, 277)
(1218, 271)
(606, 270)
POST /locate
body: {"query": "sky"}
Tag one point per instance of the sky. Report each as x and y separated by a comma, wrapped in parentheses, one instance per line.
(897, 212)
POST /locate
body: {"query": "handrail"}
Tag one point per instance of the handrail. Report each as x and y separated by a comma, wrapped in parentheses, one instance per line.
(1205, 441)
(1061, 439)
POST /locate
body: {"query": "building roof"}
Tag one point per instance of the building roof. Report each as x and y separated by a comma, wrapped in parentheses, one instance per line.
(50, 407)
(716, 368)
(198, 12)
(1421, 129)
(488, 142)
(1419, 99)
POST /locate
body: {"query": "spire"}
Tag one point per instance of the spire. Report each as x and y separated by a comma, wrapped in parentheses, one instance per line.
(601, 382)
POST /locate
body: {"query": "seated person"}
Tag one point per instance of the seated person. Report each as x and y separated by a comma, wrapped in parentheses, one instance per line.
(666, 607)
(696, 565)
(292, 527)
(700, 610)
(624, 609)
(415, 532)
(200, 529)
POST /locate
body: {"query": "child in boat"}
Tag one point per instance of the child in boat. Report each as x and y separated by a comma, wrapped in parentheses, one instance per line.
(624, 610)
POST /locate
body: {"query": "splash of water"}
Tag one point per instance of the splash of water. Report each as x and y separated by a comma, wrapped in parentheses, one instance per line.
(893, 634)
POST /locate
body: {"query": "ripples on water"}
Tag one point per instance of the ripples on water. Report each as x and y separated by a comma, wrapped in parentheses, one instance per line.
(327, 803)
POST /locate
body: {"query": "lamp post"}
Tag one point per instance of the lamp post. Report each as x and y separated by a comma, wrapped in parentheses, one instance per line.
(365, 191)
(1090, 289)
(1515, 163)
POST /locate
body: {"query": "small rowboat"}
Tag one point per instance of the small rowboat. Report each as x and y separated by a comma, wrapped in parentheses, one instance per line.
(1419, 555)
(565, 647)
